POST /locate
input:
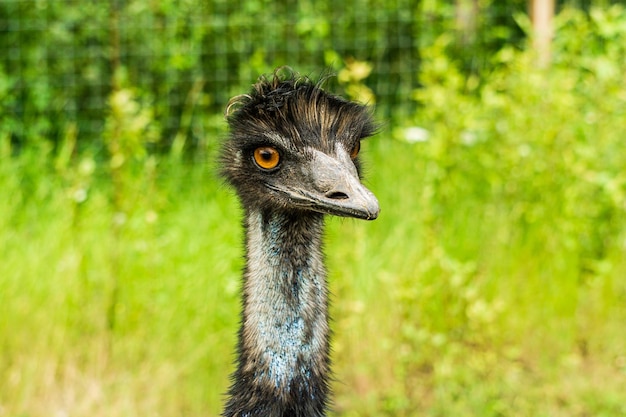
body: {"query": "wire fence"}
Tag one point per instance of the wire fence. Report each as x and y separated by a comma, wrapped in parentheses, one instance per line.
(184, 59)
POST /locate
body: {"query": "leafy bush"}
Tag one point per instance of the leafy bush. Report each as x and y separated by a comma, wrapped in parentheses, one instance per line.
(522, 204)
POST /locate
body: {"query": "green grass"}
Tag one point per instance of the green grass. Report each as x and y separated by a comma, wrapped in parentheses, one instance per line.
(109, 315)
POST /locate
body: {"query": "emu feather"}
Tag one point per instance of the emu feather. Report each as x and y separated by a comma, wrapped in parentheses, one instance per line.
(292, 158)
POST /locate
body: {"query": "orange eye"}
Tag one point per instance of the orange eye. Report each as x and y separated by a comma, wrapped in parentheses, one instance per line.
(266, 157)
(355, 150)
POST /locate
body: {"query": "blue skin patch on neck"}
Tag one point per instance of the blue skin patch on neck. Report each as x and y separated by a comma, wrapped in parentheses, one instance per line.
(281, 364)
(291, 288)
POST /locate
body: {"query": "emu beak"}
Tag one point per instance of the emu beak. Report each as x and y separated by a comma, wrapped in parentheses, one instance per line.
(337, 188)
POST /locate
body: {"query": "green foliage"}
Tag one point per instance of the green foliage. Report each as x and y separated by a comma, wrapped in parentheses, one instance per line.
(188, 58)
(491, 285)
(524, 224)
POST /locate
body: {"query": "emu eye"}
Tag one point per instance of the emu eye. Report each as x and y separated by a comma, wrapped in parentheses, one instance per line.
(266, 157)
(355, 151)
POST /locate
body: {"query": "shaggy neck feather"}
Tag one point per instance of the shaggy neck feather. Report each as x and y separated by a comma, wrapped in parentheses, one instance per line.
(283, 341)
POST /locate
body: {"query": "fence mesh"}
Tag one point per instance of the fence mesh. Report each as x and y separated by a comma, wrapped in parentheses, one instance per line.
(184, 59)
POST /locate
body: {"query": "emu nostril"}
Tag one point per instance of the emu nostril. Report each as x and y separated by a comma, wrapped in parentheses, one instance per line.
(337, 195)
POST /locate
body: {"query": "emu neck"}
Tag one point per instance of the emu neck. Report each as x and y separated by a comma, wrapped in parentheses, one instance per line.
(283, 341)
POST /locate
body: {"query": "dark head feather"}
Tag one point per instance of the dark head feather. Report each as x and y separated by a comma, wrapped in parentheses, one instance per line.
(292, 113)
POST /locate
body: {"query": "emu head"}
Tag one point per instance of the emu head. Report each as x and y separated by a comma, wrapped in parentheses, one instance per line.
(294, 147)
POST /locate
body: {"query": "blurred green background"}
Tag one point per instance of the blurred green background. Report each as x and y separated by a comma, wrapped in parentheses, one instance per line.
(493, 283)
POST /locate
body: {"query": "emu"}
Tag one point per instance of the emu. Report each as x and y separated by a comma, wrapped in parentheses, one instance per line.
(292, 157)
